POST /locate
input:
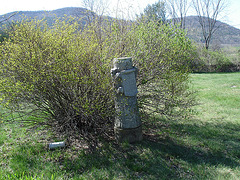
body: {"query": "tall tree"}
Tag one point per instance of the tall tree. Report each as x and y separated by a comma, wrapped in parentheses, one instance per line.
(178, 11)
(98, 7)
(208, 11)
(156, 12)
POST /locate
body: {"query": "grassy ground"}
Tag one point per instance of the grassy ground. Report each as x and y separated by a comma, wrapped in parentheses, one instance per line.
(204, 146)
(232, 53)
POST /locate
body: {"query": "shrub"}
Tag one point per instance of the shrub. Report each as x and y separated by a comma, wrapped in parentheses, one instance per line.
(59, 72)
(163, 54)
(4, 32)
(3, 35)
(212, 61)
(63, 72)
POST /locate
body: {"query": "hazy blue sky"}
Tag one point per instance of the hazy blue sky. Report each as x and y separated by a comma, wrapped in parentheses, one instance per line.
(129, 7)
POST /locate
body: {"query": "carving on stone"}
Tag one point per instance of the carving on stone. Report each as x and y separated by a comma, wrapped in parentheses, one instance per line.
(125, 81)
(127, 124)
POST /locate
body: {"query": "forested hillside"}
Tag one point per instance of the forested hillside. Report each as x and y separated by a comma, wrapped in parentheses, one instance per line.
(225, 34)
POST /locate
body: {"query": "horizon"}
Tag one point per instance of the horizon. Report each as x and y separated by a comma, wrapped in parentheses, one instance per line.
(115, 8)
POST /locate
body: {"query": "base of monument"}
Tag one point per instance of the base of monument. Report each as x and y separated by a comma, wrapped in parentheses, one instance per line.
(128, 135)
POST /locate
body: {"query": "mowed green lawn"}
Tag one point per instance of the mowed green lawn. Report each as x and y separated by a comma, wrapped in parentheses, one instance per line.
(220, 94)
(206, 145)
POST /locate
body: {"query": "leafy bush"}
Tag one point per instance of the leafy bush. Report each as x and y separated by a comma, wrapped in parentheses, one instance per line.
(3, 35)
(4, 32)
(212, 61)
(162, 54)
(59, 72)
(63, 72)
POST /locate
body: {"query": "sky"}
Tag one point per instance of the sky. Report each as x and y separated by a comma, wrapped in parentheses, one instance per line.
(128, 7)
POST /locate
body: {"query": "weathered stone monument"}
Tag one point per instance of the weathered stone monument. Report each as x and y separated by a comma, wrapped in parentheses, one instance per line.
(127, 124)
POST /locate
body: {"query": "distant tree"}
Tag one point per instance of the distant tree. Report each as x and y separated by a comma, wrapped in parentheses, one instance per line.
(156, 12)
(96, 7)
(208, 11)
(178, 11)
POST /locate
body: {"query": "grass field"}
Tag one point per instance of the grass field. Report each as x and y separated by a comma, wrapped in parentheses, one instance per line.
(203, 146)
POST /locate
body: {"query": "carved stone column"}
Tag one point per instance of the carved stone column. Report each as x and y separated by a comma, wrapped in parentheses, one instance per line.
(127, 124)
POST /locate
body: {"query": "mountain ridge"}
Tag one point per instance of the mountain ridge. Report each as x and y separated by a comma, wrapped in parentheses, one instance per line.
(67, 11)
(226, 34)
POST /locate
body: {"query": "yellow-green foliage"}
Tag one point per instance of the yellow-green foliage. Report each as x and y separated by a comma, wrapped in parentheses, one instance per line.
(64, 71)
(162, 54)
(59, 70)
(212, 61)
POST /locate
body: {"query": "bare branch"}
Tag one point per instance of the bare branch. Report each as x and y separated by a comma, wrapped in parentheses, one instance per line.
(6, 19)
(178, 10)
(208, 12)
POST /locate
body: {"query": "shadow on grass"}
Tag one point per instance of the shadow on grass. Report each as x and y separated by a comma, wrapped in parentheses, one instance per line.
(216, 143)
(173, 151)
